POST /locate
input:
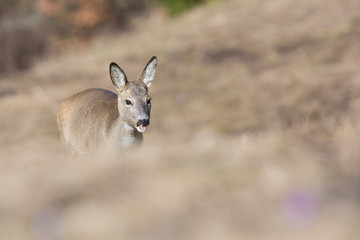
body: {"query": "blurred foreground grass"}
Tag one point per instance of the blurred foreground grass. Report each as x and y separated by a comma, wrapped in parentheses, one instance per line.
(253, 135)
(268, 187)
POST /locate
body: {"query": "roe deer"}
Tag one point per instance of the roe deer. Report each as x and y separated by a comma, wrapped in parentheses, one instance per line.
(97, 118)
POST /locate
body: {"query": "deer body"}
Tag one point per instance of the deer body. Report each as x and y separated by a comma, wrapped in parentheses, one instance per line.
(96, 119)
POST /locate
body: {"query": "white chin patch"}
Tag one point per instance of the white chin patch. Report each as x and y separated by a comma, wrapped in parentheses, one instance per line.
(141, 129)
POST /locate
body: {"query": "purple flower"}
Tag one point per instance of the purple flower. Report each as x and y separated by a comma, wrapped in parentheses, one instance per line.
(300, 207)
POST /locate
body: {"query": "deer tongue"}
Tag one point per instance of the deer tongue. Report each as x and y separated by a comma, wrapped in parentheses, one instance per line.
(141, 129)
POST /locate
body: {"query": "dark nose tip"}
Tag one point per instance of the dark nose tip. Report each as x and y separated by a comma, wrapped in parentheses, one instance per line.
(143, 122)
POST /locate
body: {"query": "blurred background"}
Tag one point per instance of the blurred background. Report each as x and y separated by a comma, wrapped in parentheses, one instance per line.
(254, 130)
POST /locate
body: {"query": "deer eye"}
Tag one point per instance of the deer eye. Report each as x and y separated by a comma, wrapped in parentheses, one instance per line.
(148, 101)
(128, 102)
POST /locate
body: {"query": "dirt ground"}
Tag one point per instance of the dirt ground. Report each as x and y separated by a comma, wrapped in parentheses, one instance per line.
(254, 130)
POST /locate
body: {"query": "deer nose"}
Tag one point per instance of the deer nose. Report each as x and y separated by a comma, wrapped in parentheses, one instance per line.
(143, 122)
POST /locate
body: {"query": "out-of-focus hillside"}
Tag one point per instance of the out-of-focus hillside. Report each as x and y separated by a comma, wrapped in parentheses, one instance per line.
(253, 135)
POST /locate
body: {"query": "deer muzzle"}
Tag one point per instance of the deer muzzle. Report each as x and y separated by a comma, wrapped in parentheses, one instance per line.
(142, 124)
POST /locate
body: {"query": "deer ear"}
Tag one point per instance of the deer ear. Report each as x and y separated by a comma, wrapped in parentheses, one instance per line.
(147, 75)
(117, 76)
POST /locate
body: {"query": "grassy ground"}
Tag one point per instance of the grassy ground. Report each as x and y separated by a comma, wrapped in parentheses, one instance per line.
(253, 135)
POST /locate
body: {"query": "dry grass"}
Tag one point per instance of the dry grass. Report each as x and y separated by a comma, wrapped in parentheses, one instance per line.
(254, 131)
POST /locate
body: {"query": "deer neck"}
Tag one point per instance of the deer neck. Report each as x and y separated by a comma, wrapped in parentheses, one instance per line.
(129, 135)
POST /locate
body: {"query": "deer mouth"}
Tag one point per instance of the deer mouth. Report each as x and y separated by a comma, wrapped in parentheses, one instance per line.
(142, 124)
(141, 128)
